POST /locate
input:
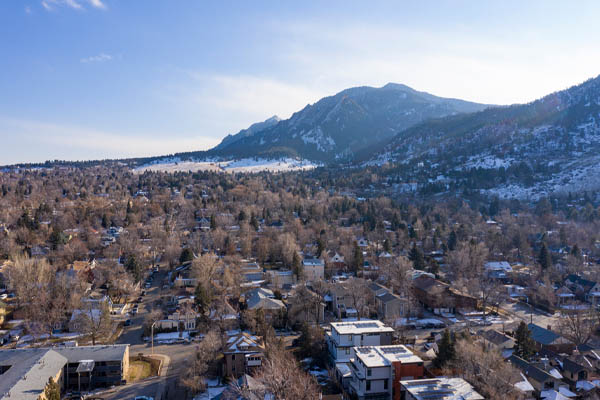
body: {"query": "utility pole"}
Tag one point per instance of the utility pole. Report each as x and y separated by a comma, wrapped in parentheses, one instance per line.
(152, 336)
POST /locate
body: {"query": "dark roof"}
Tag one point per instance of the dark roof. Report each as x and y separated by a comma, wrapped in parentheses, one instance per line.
(518, 362)
(495, 337)
(538, 375)
(429, 284)
(586, 283)
(571, 366)
(541, 335)
(387, 297)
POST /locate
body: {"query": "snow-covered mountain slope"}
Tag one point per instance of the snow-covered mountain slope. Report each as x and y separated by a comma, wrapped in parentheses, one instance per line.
(336, 127)
(531, 150)
(249, 165)
(251, 130)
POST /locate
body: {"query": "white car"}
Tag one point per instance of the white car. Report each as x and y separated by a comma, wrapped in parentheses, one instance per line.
(3, 296)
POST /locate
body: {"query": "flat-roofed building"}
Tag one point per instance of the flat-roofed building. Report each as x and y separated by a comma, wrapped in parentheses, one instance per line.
(377, 371)
(438, 388)
(346, 335)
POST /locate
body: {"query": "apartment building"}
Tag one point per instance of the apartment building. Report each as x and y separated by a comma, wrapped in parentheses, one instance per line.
(346, 335)
(377, 371)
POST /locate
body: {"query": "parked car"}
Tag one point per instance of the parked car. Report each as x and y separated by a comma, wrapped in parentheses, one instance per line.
(128, 322)
(3, 296)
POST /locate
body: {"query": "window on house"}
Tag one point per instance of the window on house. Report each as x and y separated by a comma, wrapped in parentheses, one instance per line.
(368, 385)
(233, 356)
(369, 371)
(385, 384)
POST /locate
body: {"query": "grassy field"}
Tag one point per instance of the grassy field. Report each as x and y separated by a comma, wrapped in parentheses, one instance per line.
(139, 370)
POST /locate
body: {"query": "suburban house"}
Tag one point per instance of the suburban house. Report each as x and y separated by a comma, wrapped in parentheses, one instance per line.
(346, 335)
(342, 304)
(574, 372)
(313, 269)
(539, 379)
(377, 371)
(438, 388)
(498, 270)
(280, 278)
(252, 272)
(184, 320)
(264, 299)
(390, 306)
(545, 339)
(494, 339)
(439, 297)
(584, 289)
(25, 372)
(336, 261)
(242, 353)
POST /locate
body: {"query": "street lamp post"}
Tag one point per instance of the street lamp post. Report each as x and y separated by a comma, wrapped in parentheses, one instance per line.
(152, 335)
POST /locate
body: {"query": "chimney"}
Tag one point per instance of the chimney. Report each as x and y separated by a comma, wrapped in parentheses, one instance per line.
(549, 327)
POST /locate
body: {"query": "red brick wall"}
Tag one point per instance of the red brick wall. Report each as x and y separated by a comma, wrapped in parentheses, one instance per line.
(401, 371)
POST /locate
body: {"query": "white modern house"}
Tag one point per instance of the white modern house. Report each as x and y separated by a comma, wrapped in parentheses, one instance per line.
(377, 370)
(346, 335)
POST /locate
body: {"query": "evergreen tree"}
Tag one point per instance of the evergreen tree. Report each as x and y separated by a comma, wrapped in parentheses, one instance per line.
(254, 222)
(186, 255)
(203, 299)
(386, 246)
(446, 350)
(544, 258)
(452, 240)
(524, 345)
(416, 256)
(320, 246)
(357, 260)
(132, 265)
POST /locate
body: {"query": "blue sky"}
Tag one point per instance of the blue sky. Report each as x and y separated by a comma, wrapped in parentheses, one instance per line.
(87, 79)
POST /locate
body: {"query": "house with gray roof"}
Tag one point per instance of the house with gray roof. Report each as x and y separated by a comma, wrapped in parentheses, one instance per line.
(261, 298)
(545, 339)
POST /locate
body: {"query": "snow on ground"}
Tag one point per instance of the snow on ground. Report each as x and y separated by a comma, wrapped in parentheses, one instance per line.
(249, 165)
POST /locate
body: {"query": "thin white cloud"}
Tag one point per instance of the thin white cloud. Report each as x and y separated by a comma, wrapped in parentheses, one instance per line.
(102, 57)
(27, 10)
(98, 4)
(49, 5)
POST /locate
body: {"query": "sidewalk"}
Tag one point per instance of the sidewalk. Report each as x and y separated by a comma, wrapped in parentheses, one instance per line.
(164, 368)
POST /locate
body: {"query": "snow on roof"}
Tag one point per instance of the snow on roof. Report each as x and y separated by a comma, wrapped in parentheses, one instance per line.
(343, 369)
(524, 385)
(564, 390)
(379, 356)
(498, 265)
(442, 387)
(360, 327)
(552, 395)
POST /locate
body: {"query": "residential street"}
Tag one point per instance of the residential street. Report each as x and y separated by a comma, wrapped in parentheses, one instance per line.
(164, 386)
